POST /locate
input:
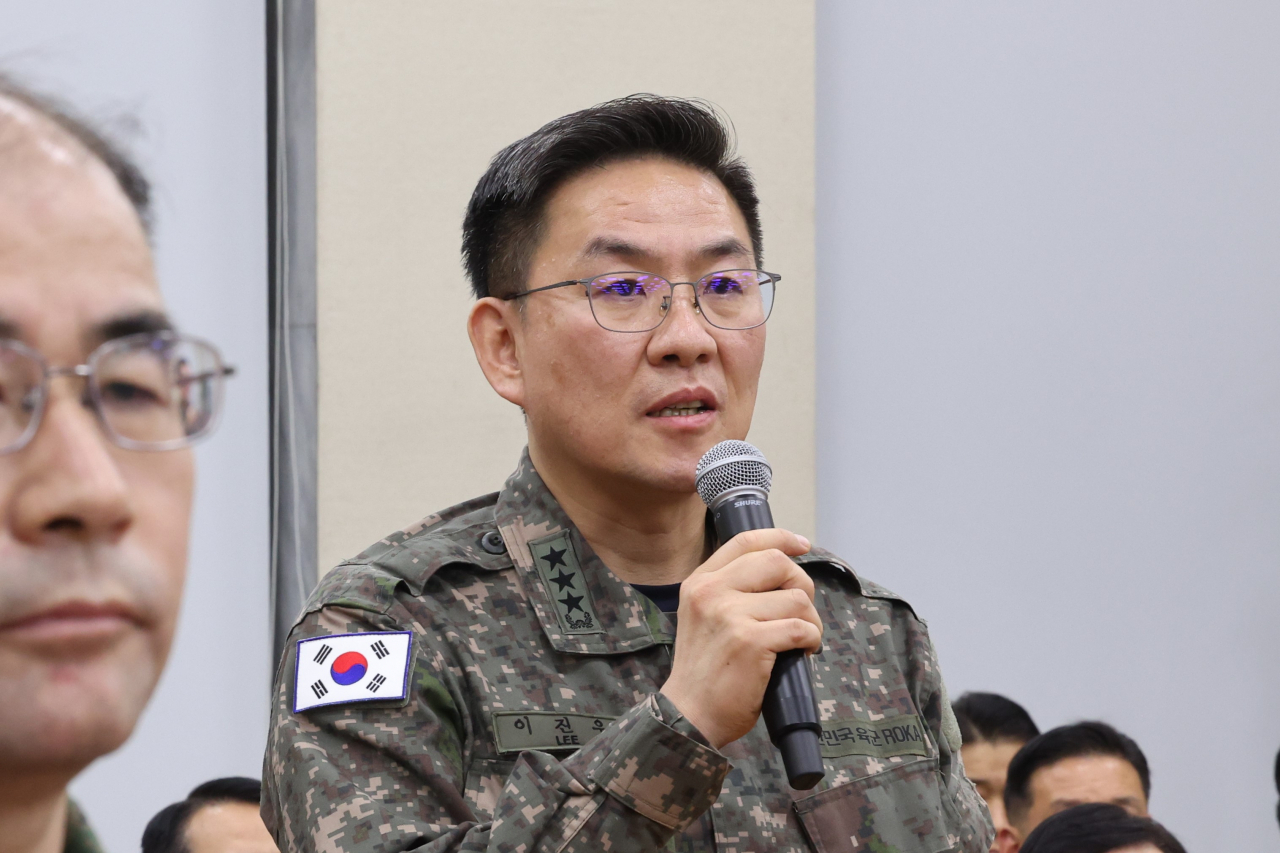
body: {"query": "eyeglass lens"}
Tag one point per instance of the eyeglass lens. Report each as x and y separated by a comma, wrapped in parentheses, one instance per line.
(637, 302)
(21, 384)
(157, 392)
(153, 392)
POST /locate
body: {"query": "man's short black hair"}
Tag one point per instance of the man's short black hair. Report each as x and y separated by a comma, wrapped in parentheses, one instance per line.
(1090, 737)
(132, 182)
(1098, 828)
(993, 718)
(504, 219)
(166, 832)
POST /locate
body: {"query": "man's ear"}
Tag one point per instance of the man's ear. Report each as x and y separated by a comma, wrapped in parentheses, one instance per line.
(494, 328)
(1007, 841)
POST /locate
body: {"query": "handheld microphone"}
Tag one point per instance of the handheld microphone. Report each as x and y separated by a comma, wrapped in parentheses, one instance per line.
(733, 480)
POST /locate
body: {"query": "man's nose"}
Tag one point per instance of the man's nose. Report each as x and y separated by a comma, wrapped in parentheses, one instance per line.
(69, 485)
(683, 336)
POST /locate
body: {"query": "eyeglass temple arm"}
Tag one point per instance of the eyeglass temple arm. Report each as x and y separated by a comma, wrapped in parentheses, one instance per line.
(225, 370)
(523, 293)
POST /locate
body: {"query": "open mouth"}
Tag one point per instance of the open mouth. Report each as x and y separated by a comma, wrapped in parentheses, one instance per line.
(681, 410)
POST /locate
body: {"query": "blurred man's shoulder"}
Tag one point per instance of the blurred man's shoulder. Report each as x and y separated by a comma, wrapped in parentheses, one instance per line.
(80, 836)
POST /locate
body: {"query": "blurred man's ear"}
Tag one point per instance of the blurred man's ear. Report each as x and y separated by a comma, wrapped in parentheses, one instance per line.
(1007, 841)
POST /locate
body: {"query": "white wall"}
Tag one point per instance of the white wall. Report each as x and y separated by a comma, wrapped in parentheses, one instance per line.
(1049, 363)
(408, 120)
(193, 75)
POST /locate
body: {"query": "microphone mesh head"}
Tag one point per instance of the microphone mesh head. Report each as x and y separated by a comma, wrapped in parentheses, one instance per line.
(732, 465)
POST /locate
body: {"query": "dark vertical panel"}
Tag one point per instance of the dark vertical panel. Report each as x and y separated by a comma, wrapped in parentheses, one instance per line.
(291, 105)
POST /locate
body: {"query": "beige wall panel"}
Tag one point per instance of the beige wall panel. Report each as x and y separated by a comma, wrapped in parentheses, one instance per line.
(414, 99)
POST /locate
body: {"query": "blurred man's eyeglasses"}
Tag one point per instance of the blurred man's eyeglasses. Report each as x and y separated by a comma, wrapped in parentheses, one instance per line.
(640, 301)
(151, 391)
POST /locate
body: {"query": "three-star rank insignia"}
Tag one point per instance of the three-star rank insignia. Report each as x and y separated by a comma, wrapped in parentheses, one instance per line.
(563, 578)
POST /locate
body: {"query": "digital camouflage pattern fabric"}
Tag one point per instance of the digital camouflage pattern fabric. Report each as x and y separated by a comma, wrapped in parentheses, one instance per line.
(534, 722)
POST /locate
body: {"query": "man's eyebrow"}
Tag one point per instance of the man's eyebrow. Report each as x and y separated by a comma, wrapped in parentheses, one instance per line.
(615, 247)
(606, 246)
(724, 249)
(132, 323)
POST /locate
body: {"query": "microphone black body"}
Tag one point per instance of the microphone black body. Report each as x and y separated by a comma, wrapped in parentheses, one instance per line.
(789, 708)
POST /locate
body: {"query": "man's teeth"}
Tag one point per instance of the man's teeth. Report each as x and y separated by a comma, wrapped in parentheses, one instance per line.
(682, 410)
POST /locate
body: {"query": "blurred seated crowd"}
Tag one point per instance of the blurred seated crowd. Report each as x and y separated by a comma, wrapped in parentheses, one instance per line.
(96, 537)
(1081, 787)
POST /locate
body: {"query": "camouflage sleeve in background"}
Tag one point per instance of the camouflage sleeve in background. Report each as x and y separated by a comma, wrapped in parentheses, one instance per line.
(376, 777)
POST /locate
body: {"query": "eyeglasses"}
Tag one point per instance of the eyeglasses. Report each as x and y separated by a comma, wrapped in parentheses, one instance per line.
(151, 391)
(640, 301)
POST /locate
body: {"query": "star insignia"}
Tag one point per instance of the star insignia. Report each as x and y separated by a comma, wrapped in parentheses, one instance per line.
(562, 580)
(554, 558)
(572, 602)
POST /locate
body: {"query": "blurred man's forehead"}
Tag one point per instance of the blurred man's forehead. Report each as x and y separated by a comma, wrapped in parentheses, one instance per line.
(30, 140)
(40, 161)
(74, 258)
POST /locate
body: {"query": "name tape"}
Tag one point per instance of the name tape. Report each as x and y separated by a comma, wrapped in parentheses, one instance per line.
(901, 735)
(516, 731)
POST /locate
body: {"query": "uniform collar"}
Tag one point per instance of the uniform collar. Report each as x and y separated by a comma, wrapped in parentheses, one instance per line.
(584, 608)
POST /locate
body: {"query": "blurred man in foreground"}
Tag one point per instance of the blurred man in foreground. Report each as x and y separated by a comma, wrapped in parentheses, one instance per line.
(99, 401)
(1088, 762)
(994, 729)
(220, 816)
(575, 663)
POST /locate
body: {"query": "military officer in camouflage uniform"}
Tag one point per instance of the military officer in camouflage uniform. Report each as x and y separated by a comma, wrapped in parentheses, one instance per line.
(513, 673)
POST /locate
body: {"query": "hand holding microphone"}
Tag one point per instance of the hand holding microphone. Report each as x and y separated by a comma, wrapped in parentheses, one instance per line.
(746, 618)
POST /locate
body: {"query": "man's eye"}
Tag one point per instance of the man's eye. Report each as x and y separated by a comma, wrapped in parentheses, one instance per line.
(722, 286)
(128, 394)
(621, 287)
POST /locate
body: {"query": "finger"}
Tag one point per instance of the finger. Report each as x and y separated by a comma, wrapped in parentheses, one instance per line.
(783, 635)
(762, 571)
(778, 604)
(771, 538)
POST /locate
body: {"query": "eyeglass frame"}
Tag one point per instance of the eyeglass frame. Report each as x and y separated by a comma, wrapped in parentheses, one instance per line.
(86, 371)
(774, 277)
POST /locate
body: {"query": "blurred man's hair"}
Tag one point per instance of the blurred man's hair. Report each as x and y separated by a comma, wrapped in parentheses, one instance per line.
(127, 174)
(993, 718)
(1098, 828)
(504, 221)
(1086, 738)
(166, 832)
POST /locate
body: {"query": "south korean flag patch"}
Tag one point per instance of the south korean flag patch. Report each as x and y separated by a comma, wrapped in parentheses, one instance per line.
(345, 668)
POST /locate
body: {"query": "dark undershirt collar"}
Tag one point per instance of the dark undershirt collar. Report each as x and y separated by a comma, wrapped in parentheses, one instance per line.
(665, 595)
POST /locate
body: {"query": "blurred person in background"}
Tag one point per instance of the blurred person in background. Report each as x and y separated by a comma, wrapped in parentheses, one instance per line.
(220, 816)
(1100, 828)
(100, 399)
(993, 729)
(1086, 762)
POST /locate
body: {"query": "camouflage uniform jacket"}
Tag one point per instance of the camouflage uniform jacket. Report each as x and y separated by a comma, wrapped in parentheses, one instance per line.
(533, 721)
